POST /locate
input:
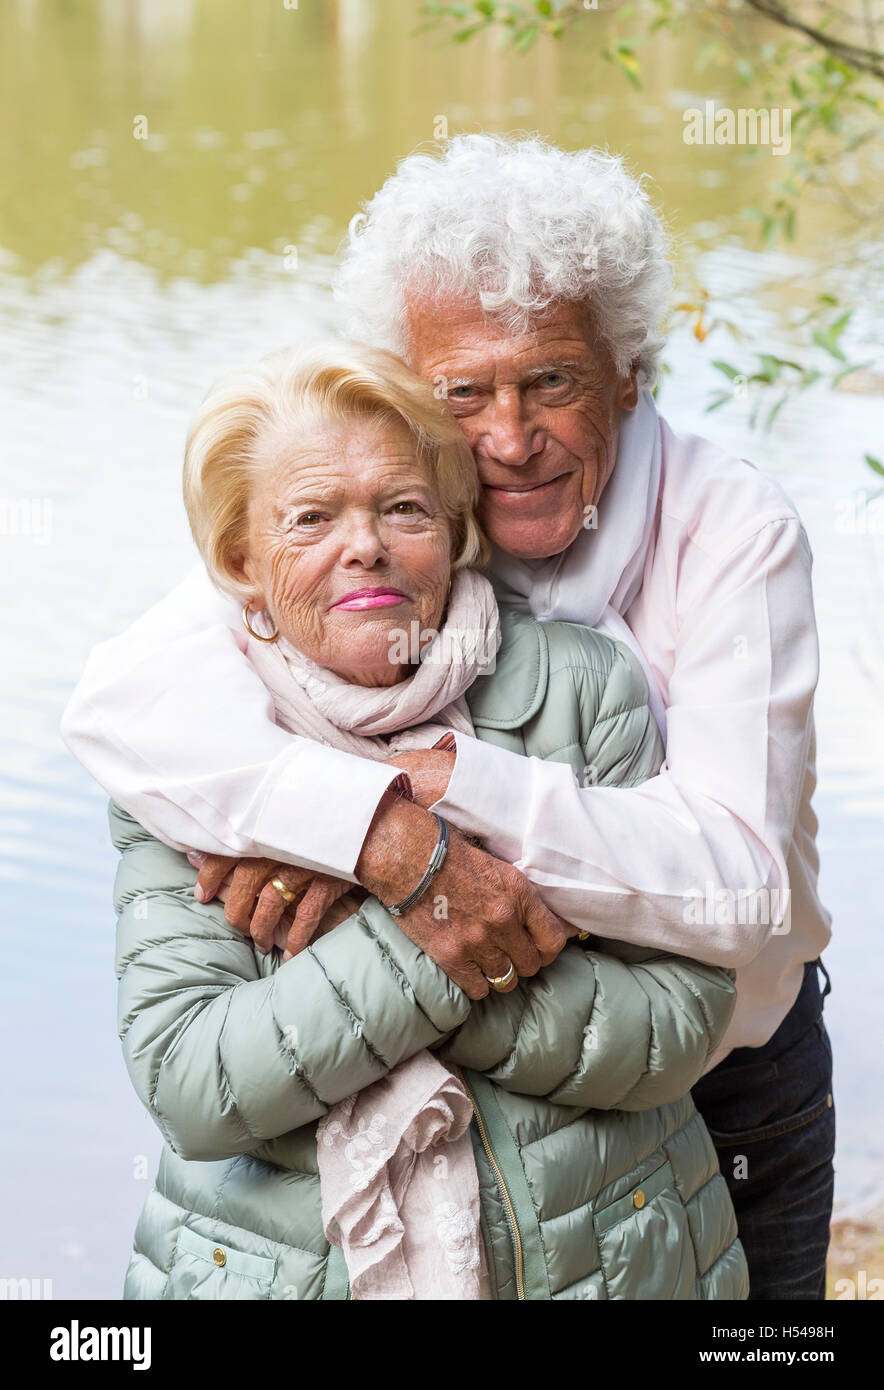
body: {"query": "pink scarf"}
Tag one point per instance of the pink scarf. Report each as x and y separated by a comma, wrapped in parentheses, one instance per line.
(397, 1176)
(414, 713)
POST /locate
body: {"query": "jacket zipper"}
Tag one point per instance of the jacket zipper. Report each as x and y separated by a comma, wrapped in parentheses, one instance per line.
(504, 1192)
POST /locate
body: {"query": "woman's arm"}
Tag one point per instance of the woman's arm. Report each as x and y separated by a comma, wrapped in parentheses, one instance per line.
(227, 1050)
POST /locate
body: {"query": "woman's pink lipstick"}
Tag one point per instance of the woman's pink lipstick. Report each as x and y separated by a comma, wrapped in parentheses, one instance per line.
(370, 598)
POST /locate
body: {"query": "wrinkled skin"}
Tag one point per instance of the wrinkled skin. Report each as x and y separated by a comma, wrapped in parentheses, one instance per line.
(332, 511)
(541, 412)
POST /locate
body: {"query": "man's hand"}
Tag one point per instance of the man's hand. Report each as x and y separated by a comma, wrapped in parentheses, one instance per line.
(252, 904)
(478, 915)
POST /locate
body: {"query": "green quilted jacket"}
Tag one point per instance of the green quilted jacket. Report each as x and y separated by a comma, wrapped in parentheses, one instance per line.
(598, 1178)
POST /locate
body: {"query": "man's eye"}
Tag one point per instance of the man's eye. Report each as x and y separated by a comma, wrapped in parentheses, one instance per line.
(552, 379)
(460, 393)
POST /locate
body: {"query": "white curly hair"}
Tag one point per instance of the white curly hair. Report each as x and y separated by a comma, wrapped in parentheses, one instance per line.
(518, 225)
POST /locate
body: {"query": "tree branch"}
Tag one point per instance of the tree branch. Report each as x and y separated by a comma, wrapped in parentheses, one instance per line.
(865, 59)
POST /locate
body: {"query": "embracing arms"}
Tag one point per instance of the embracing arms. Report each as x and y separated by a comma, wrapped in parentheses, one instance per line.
(720, 813)
(230, 1052)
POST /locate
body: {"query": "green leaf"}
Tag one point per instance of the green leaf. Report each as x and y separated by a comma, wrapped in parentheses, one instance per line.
(827, 338)
(771, 366)
(776, 410)
(875, 464)
(809, 377)
(729, 371)
(849, 370)
(527, 38)
(626, 61)
(822, 340)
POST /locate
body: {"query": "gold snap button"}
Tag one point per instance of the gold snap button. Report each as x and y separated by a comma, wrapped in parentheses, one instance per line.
(829, 1101)
(219, 1256)
(638, 1199)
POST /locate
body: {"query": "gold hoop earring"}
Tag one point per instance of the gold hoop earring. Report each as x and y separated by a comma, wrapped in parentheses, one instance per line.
(251, 631)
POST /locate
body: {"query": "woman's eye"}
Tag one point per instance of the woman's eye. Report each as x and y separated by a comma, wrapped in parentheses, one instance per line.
(407, 508)
(309, 518)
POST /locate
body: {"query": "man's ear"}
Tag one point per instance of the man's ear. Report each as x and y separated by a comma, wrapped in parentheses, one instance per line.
(628, 388)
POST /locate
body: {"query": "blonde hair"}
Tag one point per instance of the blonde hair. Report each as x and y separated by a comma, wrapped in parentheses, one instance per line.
(334, 384)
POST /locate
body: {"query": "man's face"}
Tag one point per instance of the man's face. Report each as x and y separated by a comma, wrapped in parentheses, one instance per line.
(541, 412)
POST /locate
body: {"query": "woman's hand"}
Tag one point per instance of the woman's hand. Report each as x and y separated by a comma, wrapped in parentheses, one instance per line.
(255, 906)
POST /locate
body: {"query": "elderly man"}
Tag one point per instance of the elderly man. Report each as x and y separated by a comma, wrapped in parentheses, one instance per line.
(529, 285)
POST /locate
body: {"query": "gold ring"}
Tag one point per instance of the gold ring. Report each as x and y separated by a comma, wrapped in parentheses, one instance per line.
(582, 935)
(501, 981)
(282, 890)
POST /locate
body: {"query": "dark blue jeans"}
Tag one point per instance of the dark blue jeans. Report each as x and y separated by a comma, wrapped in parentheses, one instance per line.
(771, 1115)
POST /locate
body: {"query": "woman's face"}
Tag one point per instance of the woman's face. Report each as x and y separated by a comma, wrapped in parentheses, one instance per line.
(347, 544)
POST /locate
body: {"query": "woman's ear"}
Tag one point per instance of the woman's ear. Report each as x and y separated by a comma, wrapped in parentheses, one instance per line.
(241, 570)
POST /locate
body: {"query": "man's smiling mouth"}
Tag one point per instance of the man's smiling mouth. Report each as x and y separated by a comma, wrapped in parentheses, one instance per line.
(525, 490)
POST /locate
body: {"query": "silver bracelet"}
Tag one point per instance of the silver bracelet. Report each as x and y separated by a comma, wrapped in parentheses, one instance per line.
(437, 859)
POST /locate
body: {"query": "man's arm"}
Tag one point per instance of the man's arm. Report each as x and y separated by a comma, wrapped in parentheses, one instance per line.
(622, 862)
(172, 720)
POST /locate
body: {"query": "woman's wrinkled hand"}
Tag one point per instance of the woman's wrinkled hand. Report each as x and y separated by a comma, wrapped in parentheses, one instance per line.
(254, 905)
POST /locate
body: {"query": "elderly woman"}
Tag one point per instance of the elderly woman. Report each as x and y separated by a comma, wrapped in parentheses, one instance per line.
(306, 1149)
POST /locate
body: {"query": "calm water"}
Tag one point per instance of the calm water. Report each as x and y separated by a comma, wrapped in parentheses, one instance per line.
(131, 273)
